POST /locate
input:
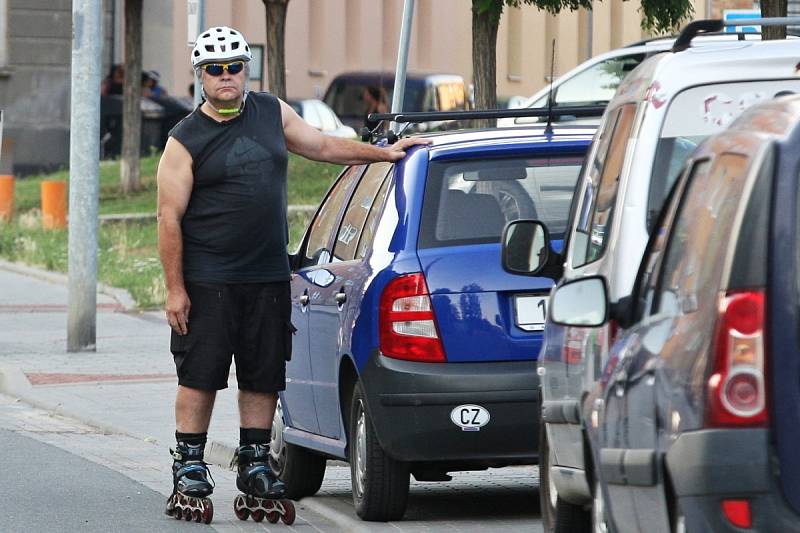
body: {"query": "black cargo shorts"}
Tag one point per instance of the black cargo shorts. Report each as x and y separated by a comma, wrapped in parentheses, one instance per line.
(249, 321)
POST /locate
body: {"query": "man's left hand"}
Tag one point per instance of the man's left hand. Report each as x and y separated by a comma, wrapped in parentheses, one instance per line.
(397, 151)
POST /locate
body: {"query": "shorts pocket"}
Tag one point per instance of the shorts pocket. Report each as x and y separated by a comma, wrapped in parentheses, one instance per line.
(287, 340)
(178, 344)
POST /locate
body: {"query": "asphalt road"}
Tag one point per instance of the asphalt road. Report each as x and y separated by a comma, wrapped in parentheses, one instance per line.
(44, 488)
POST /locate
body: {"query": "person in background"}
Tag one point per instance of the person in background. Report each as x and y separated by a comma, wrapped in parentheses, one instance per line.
(374, 102)
(114, 82)
(150, 85)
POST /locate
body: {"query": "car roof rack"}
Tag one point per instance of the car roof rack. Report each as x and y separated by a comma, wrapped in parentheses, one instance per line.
(415, 117)
(696, 27)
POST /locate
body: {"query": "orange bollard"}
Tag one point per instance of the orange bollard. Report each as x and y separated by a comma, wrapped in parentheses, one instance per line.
(6, 198)
(54, 204)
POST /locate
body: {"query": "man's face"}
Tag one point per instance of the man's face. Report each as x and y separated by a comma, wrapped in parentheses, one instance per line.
(226, 87)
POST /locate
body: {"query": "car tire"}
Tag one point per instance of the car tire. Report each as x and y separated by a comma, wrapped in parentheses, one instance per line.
(300, 469)
(380, 484)
(558, 515)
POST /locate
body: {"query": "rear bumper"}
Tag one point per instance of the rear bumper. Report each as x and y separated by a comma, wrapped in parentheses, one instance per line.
(710, 465)
(410, 405)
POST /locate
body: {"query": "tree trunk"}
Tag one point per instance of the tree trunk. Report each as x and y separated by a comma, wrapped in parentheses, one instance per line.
(132, 94)
(484, 62)
(773, 8)
(276, 53)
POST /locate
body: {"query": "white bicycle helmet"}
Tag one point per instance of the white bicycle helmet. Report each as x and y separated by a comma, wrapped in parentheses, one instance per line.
(219, 44)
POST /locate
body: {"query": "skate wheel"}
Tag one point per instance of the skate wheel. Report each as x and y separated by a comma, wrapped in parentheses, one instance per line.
(208, 512)
(239, 509)
(197, 516)
(187, 515)
(289, 512)
(273, 517)
(170, 508)
(257, 516)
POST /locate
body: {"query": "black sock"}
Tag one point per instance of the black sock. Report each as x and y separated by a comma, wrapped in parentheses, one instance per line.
(191, 439)
(254, 436)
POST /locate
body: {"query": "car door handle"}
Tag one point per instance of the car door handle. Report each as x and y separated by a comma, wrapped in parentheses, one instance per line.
(340, 297)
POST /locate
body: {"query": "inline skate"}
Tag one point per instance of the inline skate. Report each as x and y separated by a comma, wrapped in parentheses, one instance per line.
(191, 485)
(262, 492)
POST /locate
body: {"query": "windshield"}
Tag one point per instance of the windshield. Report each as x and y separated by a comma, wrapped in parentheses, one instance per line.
(595, 85)
(346, 97)
(693, 115)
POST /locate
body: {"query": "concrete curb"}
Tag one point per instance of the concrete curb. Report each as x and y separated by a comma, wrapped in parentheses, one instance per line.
(121, 296)
(14, 383)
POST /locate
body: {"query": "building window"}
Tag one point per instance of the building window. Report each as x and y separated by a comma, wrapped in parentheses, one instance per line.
(257, 62)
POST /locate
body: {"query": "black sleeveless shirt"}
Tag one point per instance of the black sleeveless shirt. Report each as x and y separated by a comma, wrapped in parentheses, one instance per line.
(234, 228)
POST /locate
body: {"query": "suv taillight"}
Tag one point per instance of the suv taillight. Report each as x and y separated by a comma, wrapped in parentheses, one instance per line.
(736, 390)
(407, 323)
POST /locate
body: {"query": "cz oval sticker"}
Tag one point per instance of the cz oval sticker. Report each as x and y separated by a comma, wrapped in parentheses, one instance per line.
(469, 417)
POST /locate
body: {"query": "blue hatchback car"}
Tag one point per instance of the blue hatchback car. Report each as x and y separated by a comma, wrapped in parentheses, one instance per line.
(415, 352)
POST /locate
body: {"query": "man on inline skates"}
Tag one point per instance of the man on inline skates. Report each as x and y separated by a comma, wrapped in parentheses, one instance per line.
(222, 237)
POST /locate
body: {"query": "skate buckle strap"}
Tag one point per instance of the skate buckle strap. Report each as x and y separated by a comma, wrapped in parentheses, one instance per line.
(201, 468)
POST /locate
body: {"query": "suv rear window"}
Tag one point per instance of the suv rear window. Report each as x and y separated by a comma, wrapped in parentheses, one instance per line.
(469, 202)
(693, 115)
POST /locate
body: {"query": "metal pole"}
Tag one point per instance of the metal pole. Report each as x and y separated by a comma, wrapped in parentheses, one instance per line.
(589, 33)
(84, 165)
(402, 59)
(197, 18)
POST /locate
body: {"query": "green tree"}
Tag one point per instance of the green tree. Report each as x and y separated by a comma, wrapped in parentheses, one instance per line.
(774, 8)
(657, 15)
(276, 52)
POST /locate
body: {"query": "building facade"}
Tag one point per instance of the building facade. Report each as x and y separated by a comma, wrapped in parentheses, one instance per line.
(323, 38)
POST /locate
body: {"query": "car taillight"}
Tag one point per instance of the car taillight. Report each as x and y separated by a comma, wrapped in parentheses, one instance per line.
(407, 323)
(738, 513)
(737, 395)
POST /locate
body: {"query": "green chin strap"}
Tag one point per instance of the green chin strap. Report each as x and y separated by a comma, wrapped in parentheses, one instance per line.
(230, 111)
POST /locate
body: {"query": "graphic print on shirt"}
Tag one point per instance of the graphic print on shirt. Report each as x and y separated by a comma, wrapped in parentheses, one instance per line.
(248, 158)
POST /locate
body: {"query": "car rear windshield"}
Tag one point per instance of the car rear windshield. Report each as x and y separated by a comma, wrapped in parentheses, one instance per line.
(693, 115)
(469, 202)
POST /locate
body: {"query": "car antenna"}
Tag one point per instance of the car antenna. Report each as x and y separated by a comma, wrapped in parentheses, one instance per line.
(548, 130)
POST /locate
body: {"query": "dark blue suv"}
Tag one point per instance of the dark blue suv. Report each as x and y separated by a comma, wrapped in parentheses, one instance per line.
(694, 423)
(415, 352)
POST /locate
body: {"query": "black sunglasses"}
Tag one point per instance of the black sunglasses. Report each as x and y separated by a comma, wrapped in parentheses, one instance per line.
(216, 69)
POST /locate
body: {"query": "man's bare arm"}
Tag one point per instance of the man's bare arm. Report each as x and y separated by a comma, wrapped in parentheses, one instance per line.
(175, 181)
(305, 140)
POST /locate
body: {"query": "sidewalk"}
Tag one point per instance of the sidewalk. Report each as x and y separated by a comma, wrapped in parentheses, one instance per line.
(126, 389)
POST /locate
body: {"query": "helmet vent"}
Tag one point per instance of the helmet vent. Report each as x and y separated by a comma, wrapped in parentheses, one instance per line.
(206, 35)
(235, 45)
(209, 48)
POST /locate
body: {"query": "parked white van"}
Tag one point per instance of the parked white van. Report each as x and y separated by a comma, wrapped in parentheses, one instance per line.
(660, 112)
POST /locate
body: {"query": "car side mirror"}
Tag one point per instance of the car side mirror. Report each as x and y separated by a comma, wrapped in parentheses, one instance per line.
(526, 247)
(582, 302)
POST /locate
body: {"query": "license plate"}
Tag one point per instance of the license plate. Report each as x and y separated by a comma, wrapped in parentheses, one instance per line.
(530, 312)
